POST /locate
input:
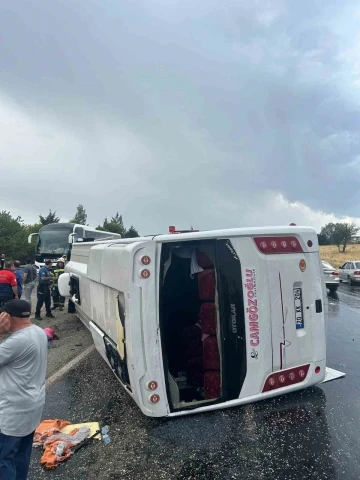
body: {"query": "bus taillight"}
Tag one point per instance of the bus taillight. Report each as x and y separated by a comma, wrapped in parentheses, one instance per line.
(152, 385)
(154, 398)
(273, 245)
(145, 273)
(284, 378)
(145, 260)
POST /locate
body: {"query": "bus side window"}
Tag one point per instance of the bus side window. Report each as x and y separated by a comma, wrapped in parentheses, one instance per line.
(79, 233)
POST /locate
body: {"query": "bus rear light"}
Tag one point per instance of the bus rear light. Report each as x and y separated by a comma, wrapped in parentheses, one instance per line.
(317, 370)
(152, 385)
(145, 260)
(272, 245)
(285, 378)
(302, 265)
(154, 398)
(145, 273)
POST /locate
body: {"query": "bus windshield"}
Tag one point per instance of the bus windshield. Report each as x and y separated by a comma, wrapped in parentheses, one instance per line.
(53, 241)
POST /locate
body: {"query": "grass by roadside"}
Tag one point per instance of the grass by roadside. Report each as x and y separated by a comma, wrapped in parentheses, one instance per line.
(331, 254)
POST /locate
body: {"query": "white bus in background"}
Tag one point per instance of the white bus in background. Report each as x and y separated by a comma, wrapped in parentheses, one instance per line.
(56, 239)
(204, 320)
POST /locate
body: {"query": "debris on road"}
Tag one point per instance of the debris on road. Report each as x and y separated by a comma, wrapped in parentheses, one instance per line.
(60, 439)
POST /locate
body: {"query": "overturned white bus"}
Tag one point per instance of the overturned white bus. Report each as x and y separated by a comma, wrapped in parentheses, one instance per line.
(204, 320)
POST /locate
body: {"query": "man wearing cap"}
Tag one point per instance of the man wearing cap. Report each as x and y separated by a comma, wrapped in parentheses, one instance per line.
(23, 357)
(43, 290)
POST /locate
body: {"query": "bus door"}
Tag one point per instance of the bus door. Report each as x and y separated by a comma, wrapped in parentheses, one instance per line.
(244, 310)
(296, 294)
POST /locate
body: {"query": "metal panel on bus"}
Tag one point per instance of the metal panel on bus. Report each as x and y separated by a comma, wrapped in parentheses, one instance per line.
(95, 262)
(257, 315)
(295, 287)
(142, 329)
(116, 266)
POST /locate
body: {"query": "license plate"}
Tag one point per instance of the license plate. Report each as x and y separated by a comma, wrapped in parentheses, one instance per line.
(299, 315)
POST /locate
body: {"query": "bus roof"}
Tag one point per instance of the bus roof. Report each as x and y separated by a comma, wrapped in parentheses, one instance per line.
(62, 225)
(211, 234)
(51, 226)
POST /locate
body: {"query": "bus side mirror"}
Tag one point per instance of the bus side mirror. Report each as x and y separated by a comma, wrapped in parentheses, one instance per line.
(32, 235)
(64, 285)
(71, 238)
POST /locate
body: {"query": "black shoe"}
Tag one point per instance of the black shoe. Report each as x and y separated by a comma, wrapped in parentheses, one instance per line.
(37, 317)
(50, 315)
(53, 308)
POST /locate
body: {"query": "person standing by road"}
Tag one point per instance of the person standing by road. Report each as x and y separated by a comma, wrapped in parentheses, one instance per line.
(29, 281)
(58, 300)
(2, 261)
(19, 276)
(43, 290)
(23, 357)
(8, 284)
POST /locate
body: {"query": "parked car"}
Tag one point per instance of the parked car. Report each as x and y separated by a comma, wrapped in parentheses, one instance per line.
(350, 272)
(331, 275)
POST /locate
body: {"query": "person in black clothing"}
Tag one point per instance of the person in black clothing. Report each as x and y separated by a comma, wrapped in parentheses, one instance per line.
(43, 290)
(2, 261)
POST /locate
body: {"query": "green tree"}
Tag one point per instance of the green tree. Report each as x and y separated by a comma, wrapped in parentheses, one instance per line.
(339, 234)
(346, 232)
(322, 239)
(13, 237)
(327, 233)
(116, 225)
(131, 233)
(50, 218)
(80, 216)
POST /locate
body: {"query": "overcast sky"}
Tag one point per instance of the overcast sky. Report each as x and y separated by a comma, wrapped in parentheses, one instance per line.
(210, 113)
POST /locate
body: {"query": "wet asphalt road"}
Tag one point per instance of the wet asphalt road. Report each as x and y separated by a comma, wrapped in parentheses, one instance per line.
(312, 434)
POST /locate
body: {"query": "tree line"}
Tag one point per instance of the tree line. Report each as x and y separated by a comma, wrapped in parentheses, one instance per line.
(14, 231)
(114, 225)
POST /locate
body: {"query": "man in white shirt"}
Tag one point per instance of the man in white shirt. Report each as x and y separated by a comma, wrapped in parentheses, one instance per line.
(23, 357)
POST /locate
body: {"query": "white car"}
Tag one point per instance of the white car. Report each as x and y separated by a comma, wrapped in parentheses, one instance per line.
(331, 275)
(350, 272)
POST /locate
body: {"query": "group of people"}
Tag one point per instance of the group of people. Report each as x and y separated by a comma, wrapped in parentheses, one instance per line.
(16, 283)
(23, 359)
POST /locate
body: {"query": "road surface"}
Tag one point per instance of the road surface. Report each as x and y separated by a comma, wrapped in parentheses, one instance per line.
(312, 434)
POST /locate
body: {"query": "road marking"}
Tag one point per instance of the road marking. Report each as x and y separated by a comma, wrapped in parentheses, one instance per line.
(66, 368)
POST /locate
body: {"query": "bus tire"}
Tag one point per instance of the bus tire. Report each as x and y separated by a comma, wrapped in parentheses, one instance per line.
(71, 307)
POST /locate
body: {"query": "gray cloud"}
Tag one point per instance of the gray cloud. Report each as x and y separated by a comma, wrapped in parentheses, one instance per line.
(175, 112)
